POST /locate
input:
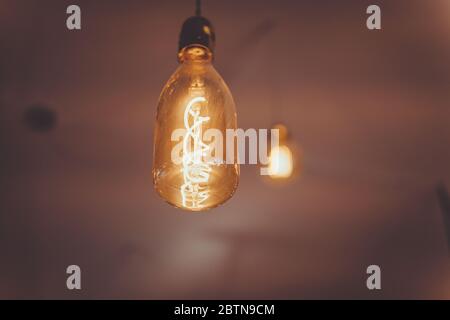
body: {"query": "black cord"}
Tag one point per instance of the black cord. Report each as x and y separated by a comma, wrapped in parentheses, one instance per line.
(198, 7)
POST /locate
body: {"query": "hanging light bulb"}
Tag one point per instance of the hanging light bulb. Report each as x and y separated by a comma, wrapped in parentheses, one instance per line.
(194, 100)
(281, 162)
(283, 159)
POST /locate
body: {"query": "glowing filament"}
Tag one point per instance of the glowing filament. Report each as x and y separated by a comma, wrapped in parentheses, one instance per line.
(196, 171)
(281, 162)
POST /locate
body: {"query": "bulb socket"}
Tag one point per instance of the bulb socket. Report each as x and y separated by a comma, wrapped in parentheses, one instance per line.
(197, 30)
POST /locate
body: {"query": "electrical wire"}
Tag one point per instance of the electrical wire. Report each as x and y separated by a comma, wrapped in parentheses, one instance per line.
(198, 7)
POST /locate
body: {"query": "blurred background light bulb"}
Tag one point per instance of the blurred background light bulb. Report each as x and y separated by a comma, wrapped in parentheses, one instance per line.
(194, 99)
(283, 159)
(281, 163)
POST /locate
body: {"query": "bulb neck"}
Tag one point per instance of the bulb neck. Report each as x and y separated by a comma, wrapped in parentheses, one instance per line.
(195, 53)
(283, 132)
(197, 31)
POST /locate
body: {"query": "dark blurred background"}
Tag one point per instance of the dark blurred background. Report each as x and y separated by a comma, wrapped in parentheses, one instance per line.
(370, 109)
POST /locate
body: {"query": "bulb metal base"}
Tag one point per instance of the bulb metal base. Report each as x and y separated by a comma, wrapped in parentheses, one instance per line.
(197, 30)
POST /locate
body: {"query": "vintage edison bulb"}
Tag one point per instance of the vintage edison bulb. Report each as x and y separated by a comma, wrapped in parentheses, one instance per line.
(281, 163)
(283, 159)
(187, 171)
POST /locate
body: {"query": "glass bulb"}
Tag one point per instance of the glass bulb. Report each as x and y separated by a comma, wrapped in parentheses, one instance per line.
(194, 100)
(284, 159)
(281, 163)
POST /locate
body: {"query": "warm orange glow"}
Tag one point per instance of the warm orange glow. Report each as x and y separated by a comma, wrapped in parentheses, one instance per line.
(281, 163)
(194, 100)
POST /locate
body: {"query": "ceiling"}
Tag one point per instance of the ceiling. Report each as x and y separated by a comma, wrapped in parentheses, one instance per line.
(369, 109)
